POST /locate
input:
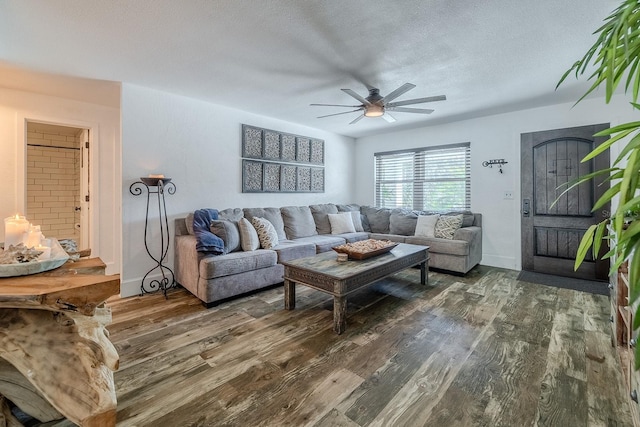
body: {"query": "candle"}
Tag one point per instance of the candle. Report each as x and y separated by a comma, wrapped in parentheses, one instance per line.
(156, 176)
(46, 252)
(15, 230)
(34, 236)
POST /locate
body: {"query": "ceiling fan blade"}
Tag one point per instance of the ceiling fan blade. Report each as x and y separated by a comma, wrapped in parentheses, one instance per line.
(337, 114)
(396, 93)
(356, 119)
(388, 117)
(356, 96)
(411, 110)
(334, 105)
(417, 101)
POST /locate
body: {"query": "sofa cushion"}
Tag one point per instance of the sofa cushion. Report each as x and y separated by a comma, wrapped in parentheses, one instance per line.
(292, 249)
(354, 237)
(320, 217)
(447, 225)
(248, 236)
(270, 214)
(441, 246)
(378, 218)
(236, 262)
(348, 207)
(341, 223)
(386, 236)
(403, 222)
(189, 223)
(356, 217)
(426, 225)
(298, 222)
(266, 233)
(323, 242)
(228, 232)
(231, 214)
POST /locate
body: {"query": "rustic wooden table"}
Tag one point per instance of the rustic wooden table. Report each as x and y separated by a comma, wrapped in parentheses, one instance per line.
(324, 273)
(56, 359)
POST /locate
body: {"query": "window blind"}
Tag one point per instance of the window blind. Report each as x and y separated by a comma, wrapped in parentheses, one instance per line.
(436, 179)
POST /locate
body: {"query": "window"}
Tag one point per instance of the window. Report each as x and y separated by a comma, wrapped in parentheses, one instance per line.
(436, 179)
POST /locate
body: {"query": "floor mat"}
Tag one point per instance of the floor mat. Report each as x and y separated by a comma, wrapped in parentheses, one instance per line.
(600, 288)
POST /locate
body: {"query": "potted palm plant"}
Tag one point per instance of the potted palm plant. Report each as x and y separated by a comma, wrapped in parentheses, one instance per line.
(615, 58)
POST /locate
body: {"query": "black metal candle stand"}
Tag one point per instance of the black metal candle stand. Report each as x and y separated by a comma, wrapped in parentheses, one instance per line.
(157, 186)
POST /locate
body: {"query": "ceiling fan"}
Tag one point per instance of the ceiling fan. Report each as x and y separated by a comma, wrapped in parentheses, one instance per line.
(376, 105)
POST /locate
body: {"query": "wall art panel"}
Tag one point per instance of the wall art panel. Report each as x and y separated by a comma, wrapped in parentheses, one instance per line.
(274, 161)
(252, 176)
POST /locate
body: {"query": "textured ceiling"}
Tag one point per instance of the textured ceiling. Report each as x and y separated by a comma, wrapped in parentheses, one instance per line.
(276, 57)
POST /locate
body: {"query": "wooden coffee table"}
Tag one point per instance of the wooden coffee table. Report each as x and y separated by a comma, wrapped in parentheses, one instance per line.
(56, 359)
(324, 273)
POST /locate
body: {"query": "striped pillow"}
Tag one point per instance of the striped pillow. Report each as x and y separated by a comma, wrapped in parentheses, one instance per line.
(447, 225)
(266, 232)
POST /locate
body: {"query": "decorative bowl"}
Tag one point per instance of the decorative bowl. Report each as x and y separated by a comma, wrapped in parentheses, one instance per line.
(58, 257)
(153, 182)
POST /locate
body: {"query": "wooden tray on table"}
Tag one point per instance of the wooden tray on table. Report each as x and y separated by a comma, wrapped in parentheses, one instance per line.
(354, 250)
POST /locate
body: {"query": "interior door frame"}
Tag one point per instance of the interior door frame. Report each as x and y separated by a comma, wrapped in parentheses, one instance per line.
(21, 166)
(600, 162)
(85, 182)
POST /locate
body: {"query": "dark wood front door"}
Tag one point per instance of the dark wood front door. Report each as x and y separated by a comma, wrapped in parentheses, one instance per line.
(551, 235)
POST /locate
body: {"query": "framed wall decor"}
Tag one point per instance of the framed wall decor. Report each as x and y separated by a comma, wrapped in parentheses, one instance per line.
(279, 162)
(271, 177)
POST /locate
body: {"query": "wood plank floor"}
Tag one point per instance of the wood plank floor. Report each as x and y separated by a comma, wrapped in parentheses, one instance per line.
(480, 350)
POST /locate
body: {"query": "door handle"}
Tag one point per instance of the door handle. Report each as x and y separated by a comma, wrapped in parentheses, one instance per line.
(525, 207)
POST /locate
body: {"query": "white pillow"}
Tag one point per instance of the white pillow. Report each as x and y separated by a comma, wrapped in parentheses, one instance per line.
(426, 225)
(341, 223)
(357, 221)
(248, 236)
(266, 232)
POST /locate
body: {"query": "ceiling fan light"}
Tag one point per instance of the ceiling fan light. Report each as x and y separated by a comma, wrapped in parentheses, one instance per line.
(374, 111)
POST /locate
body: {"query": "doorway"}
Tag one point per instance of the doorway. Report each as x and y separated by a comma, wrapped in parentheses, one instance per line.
(57, 175)
(551, 234)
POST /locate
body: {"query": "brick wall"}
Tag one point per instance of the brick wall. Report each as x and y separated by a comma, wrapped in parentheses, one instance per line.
(53, 182)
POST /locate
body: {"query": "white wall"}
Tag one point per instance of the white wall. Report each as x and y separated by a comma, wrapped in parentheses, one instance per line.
(198, 145)
(491, 137)
(15, 107)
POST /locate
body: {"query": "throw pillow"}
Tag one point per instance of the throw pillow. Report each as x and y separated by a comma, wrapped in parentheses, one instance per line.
(272, 215)
(357, 220)
(228, 232)
(447, 225)
(426, 225)
(248, 236)
(341, 223)
(266, 232)
(467, 217)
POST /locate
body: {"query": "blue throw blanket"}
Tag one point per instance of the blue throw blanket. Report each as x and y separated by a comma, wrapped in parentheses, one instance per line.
(206, 240)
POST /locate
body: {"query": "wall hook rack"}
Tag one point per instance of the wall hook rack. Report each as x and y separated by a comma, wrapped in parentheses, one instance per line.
(498, 162)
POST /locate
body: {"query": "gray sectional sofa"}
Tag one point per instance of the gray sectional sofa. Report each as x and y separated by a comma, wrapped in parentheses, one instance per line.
(304, 231)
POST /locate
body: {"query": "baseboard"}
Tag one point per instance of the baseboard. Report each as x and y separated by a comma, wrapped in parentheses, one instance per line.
(499, 261)
(130, 287)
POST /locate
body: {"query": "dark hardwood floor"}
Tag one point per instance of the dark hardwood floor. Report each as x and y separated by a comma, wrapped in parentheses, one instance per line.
(480, 350)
